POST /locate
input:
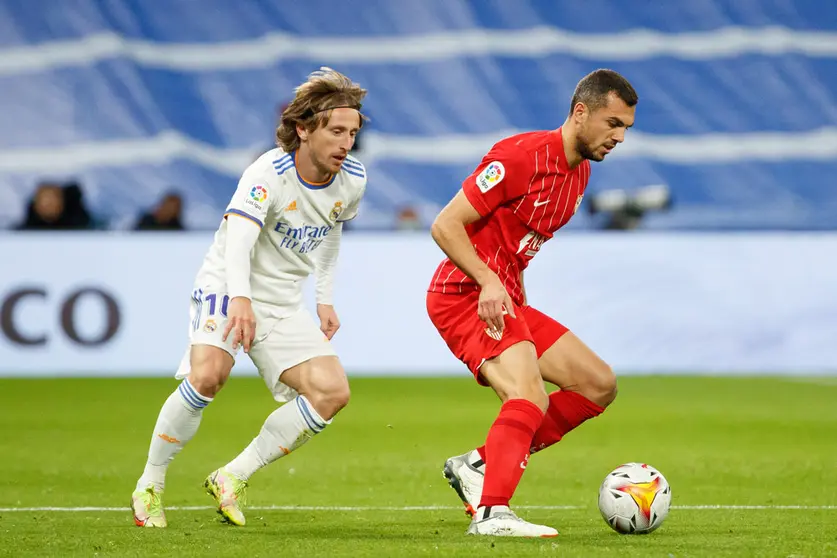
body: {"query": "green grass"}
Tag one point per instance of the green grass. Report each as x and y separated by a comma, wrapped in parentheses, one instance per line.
(753, 441)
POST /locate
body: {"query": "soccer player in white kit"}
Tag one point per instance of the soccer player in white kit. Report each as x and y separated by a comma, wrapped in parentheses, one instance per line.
(283, 224)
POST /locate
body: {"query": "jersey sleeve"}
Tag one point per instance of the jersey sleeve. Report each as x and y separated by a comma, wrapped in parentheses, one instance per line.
(253, 198)
(502, 175)
(357, 175)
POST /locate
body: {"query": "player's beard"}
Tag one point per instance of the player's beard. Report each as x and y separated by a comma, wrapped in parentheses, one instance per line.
(323, 166)
(584, 149)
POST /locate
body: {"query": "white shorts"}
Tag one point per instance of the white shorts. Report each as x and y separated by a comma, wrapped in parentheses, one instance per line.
(279, 344)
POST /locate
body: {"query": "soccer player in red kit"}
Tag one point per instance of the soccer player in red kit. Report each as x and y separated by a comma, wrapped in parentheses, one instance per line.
(526, 188)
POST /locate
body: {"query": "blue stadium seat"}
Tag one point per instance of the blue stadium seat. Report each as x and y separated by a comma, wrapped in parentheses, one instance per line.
(737, 114)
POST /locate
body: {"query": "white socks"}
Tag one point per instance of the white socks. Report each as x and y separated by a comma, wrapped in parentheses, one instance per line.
(286, 429)
(176, 425)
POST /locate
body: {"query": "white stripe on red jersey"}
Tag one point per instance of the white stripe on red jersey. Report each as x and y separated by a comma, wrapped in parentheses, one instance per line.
(525, 192)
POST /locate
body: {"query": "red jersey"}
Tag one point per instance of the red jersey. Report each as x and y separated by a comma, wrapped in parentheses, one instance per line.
(524, 191)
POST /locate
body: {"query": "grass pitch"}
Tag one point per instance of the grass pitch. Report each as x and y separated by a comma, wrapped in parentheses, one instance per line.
(751, 462)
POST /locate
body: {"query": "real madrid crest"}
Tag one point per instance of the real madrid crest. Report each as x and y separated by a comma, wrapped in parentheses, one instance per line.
(209, 326)
(336, 210)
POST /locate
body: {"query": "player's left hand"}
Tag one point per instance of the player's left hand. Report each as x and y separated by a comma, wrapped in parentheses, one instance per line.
(329, 324)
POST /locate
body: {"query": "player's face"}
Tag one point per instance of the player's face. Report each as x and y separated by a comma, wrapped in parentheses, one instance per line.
(330, 144)
(600, 130)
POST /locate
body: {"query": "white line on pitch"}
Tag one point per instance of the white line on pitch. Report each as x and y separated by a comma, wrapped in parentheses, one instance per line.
(402, 508)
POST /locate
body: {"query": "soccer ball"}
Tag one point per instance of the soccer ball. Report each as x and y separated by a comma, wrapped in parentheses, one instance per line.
(634, 499)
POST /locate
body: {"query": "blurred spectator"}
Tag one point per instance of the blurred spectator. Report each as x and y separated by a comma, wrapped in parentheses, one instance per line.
(56, 207)
(75, 212)
(167, 216)
(408, 220)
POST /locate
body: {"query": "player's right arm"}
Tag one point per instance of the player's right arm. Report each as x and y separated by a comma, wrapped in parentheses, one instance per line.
(448, 230)
(241, 321)
(245, 217)
(497, 180)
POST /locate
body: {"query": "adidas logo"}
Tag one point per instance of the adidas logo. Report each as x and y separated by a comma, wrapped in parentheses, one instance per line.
(291, 206)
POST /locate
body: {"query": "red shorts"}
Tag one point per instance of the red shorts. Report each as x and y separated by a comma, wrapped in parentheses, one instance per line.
(455, 317)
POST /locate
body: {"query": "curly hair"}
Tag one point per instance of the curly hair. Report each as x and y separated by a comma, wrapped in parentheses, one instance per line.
(324, 90)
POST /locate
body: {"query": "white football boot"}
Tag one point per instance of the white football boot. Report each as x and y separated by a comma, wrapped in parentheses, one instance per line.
(500, 521)
(465, 474)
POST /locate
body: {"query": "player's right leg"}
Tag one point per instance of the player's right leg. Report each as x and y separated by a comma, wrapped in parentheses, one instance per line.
(515, 377)
(177, 423)
(509, 365)
(204, 370)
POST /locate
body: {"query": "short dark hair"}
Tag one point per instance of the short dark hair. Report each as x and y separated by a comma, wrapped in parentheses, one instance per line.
(594, 88)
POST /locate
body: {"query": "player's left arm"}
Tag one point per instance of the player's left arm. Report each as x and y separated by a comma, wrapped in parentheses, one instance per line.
(326, 265)
(523, 290)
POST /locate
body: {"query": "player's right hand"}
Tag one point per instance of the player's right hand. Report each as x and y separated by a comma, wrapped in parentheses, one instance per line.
(494, 300)
(241, 322)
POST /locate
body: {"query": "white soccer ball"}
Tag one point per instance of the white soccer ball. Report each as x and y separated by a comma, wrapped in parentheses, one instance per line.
(634, 499)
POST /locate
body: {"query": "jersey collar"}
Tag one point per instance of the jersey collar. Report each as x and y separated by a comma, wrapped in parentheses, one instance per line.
(311, 185)
(563, 166)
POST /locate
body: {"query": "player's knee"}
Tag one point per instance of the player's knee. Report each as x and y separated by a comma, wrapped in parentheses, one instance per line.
(601, 386)
(209, 370)
(338, 398)
(539, 398)
(206, 381)
(532, 391)
(330, 400)
(329, 395)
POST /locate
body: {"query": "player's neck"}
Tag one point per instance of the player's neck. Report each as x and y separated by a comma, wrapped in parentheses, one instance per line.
(568, 138)
(308, 170)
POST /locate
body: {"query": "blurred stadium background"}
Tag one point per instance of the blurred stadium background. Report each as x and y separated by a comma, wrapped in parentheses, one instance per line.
(146, 116)
(706, 243)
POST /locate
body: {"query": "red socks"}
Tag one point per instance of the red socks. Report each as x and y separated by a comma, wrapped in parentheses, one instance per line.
(507, 450)
(567, 410)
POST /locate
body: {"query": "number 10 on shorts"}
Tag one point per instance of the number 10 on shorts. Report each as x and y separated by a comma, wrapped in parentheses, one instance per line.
(210, 303)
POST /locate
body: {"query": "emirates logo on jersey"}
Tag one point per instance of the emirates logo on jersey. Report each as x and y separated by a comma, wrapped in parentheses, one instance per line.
(531, 243)
(303, 239)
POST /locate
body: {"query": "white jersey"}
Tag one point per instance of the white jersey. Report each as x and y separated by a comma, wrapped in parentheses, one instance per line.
(294, 216)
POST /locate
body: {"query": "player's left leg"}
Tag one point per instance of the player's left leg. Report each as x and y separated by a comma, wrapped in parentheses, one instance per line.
(322, 389)
(298, 364)
(588, 386)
